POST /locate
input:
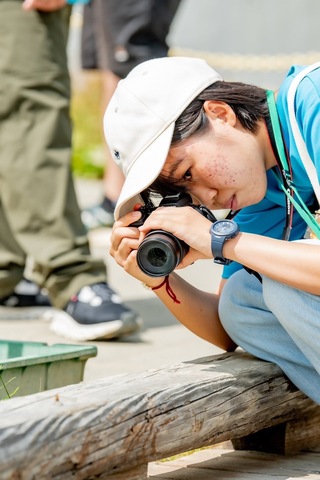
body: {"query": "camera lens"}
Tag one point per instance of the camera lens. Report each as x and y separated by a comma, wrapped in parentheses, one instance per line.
(160, 253)
(157, 257)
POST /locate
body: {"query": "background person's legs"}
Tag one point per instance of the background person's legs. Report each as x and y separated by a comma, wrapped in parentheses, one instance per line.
(116, 37)
(12, 257)
(113, 177)
(40, 212)
(38, 197)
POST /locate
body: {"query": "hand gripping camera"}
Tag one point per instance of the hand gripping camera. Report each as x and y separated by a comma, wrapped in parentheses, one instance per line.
(161, 252)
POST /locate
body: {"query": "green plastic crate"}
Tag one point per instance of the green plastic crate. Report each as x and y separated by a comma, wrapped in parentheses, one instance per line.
(31, 367)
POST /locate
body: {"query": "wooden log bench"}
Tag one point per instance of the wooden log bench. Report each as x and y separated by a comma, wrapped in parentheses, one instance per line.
(112, 428)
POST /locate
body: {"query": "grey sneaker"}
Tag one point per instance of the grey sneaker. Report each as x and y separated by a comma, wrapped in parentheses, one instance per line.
(27, 301)
(95, 313)
(99, 215)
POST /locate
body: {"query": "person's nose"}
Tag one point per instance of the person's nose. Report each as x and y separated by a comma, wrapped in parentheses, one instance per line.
(204, 195)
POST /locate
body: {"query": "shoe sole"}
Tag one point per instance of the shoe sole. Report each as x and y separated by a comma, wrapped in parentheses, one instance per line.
(23, 313)
(64, 325)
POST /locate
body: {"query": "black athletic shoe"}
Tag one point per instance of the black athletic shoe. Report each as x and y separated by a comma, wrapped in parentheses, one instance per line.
(95, 313)
(26, 301)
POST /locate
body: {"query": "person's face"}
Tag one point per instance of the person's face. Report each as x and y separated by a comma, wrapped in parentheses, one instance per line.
(223, 168)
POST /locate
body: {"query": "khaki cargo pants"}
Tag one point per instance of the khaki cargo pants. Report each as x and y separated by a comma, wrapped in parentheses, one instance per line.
(39, 214)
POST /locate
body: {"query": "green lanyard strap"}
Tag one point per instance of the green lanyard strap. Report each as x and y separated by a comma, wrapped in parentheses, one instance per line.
(286, 183)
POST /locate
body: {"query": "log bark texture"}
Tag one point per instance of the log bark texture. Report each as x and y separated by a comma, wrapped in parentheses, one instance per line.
(105, 428)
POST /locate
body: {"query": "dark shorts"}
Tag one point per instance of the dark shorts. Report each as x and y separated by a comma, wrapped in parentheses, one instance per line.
(117, 35)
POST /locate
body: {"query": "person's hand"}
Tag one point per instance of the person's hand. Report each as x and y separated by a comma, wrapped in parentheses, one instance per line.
(43, 5)
(185, 223)
(125, 241)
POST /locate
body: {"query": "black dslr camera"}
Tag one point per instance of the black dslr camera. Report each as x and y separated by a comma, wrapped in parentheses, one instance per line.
(160, 252)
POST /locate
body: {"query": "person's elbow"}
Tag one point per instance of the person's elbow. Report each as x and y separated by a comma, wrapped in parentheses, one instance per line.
(230, 346)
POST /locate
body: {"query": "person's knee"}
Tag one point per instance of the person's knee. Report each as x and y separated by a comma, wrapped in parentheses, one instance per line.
(227, 307)
(275, 295)
(295, 309)
(232, 301)
(241, 298)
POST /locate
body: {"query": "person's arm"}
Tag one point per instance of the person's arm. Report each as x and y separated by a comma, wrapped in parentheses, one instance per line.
(197, 310)
(292, 263)
(43, 5)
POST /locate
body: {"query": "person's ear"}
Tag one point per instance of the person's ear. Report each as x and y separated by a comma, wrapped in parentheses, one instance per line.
(220, 110)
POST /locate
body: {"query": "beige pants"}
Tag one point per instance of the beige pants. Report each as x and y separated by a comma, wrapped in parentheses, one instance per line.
(39, 214)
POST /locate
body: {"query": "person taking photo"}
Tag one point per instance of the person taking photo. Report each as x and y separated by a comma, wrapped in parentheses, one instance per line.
(174, 125)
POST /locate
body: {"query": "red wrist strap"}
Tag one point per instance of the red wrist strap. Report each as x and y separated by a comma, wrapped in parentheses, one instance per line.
(169, 290)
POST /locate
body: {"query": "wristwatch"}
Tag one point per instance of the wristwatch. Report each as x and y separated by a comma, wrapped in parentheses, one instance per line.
(221, 231)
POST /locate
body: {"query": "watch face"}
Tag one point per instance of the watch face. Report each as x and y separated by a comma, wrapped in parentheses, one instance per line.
(224, 227)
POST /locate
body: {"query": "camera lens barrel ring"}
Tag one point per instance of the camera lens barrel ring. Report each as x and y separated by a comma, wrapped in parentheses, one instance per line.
(160, 253)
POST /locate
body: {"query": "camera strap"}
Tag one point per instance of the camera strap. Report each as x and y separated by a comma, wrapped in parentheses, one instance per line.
(284, 174)
(284, 171)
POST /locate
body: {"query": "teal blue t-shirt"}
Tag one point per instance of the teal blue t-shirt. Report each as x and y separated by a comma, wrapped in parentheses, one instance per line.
(268, 216)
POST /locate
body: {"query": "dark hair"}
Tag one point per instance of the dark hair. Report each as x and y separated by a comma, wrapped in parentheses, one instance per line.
(248, 103)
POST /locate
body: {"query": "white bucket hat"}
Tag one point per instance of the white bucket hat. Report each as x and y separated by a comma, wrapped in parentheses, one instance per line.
(139, 120)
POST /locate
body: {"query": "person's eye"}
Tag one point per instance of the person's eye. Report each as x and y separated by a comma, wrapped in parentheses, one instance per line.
(187, 177)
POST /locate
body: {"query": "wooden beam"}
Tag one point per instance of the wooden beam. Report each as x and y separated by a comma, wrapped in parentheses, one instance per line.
(302, 433)
(115, 424)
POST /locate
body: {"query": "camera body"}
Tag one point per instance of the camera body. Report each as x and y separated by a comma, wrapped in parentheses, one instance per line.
(161, 252)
